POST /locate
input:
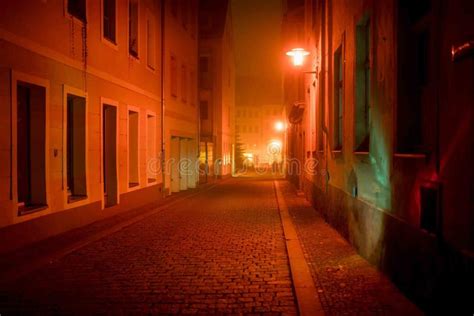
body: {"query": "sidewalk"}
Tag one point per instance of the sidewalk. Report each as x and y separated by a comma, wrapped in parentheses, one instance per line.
(346, 283)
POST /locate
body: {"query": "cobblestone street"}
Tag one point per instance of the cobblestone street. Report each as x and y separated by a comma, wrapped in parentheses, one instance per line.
(220, 251)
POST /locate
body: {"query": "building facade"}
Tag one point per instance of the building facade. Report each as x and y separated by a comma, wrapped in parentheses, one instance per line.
(81, 107)
(216, 89)
(386, 126)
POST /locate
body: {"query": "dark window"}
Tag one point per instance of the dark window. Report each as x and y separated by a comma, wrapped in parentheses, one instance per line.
(430, 211)
(362, 106)
(174, 77)
(174, 7)
(109, 20)
(414, 91)
(184, 13)
(204, 108)
(77, 8)
(31, 140)
(151, 43)
(338, 98)
(204, 76)
(76, 148)
(184, 84)
(133, 28)
(133, 148)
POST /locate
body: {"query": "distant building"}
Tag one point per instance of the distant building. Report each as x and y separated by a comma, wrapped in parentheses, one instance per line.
(216, 88)
(259, 131)
(81, 112)
(386, 119)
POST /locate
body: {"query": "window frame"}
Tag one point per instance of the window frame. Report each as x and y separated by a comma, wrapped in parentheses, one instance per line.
(131, 108)
(105, 40)
(338, 103)
(147, 149)
(137, 58)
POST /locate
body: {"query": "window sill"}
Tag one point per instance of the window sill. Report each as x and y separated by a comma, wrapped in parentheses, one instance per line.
(361, 153)
(410, 155)
(110, 43)
(30, 209)
(134, 58)
(76, 198)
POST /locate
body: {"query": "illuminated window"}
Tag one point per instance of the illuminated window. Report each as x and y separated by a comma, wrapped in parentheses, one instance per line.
(109, 22)
(76, 148)
(77, 8)
(362, 104)
(338, 98)
(133, 28)
(133, 162)
(174, 76)
(151, 42)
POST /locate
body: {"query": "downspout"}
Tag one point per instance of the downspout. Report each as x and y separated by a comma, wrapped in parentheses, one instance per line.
(162, 83)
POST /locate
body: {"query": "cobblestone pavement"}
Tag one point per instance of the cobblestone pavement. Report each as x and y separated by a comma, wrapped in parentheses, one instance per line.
(347, 284)
(222, 251)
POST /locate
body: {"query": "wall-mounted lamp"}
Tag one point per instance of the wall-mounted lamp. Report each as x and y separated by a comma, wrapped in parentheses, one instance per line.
(298, 55)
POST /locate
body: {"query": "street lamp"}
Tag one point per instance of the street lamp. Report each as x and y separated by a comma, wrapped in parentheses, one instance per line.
(279, 126)
(298, 55)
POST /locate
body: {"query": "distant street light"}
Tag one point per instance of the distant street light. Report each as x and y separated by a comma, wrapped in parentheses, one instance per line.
(298, 55)
(279, 126)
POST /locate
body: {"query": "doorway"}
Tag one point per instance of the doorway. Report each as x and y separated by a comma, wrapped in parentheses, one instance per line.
(109, 154)
(175, 183)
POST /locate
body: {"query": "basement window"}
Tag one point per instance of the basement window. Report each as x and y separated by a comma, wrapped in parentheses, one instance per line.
(133, 141)
(109, 20)
(76, 148)
(133, 28)
(77, 8)
(152, 161)
(31, 144)
(362, 104)
(430, 197)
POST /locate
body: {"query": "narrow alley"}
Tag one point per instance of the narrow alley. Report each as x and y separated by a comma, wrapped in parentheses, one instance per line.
(221, 250)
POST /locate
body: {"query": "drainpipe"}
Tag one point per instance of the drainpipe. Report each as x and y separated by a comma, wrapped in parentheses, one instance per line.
(163, 174)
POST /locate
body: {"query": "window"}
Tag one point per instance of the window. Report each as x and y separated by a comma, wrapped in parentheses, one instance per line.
(151, 42)
(204, 108)
(174, 76)
(338, 98)
(414, 91)
(321, 113)
(184, 84)
(133, 148)
(193, 19)
(362, 104)
(30, 143)
(133, 28)
(184, 13)
(109, 22)
(192, 76)
(76, 148)
(204, 76)
(151, 161)
(77, 8)
(174, 8)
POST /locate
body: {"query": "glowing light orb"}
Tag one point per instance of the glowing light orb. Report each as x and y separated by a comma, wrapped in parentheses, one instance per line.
(298, 55)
